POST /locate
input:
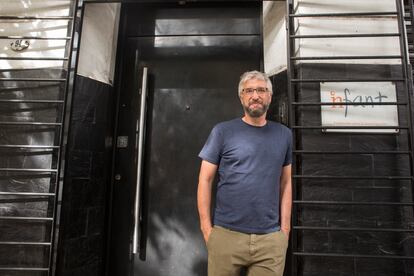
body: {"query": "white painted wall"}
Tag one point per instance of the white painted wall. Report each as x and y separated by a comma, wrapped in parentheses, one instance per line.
(98, 45)
(44, 28)
(275, 32)
(99, 42)
(36, 7)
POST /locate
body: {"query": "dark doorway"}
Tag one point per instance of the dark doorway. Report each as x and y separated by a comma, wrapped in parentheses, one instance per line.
(194, 53)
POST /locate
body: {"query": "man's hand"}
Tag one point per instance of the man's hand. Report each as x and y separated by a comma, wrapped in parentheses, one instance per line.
(206, 232)
(207, 173)
(285, 231)
(285, 199)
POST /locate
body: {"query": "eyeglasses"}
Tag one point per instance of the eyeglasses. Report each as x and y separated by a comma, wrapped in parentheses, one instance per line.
(260, 91)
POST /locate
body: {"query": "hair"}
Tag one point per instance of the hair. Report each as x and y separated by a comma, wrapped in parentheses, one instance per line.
(254, 75)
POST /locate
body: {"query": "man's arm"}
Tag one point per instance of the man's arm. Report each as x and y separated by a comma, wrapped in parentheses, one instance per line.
(285, 199)
(205, 181)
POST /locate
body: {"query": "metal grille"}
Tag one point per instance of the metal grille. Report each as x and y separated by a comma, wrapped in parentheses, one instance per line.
(331, 214)
(409, 19)
(33, 101)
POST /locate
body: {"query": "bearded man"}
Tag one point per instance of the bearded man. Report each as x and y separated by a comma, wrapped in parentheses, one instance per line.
(251, 221)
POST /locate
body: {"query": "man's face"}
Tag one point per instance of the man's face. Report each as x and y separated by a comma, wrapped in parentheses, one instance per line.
(257, 102)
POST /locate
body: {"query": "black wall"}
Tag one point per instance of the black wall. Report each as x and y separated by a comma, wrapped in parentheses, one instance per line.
(82, 233)
(360, 242)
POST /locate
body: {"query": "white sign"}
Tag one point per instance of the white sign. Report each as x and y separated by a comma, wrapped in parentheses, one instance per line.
(364, 114)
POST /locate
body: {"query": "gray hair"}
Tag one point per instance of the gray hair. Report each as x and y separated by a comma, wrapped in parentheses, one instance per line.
(254, 75)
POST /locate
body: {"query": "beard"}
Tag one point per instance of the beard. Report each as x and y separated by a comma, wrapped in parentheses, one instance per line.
(258, 111)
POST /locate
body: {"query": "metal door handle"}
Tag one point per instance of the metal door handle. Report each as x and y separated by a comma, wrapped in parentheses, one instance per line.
(140, 130)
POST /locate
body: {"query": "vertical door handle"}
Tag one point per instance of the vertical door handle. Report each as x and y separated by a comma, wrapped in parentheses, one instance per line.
(140, 133)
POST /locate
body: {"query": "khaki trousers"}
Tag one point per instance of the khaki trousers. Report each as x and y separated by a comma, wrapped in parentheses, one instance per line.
(229, 251)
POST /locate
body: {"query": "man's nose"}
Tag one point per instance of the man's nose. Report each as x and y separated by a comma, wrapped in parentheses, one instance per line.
(255, 94)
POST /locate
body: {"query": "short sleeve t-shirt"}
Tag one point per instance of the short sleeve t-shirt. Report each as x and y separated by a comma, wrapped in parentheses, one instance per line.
(250, 161)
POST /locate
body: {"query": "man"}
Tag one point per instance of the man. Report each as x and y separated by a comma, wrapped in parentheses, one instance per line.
(254, 192)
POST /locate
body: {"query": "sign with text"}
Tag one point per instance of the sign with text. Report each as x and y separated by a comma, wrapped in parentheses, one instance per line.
(363, 111)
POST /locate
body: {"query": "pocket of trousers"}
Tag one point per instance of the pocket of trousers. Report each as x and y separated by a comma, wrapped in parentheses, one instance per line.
(285, 238)
(210, 238)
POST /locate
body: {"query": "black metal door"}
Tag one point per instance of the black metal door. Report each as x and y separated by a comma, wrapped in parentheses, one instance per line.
(194, 55)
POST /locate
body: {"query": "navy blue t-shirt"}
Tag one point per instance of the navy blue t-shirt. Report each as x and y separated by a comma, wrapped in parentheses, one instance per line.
(250, 160)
